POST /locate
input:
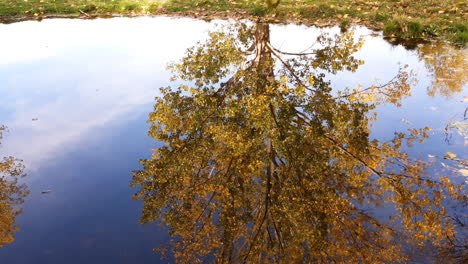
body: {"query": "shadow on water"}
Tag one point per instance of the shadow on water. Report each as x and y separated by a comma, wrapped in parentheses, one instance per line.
(265, 161)
(12, 195)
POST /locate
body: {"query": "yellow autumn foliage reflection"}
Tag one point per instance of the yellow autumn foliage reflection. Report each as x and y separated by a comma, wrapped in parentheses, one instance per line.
(448, 66)
(263, 162)
(11, 195)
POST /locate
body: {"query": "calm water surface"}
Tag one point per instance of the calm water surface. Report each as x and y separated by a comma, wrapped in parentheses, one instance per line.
(76, 95)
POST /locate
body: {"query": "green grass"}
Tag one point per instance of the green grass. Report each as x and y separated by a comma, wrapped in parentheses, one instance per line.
(400, 18)
(258, 11)
(344, 25)
(404, 29)
(36, 8)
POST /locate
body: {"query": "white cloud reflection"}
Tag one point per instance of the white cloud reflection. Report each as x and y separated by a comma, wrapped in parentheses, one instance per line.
(75, 76)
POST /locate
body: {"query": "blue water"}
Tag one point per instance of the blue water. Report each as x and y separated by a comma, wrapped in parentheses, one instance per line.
(91, 84)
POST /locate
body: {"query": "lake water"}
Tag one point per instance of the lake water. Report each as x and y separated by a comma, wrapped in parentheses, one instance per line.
(76, 94)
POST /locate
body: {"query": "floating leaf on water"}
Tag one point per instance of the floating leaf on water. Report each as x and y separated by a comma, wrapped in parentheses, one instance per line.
(450, 155)
(431, 156)
(406, 121)
(463, 172)
(445, 165)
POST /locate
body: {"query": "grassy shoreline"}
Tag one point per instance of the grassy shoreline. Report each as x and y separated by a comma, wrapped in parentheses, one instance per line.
(406, 19)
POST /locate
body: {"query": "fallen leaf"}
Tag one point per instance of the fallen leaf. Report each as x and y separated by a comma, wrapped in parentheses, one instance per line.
(450, 155)
(406, 121)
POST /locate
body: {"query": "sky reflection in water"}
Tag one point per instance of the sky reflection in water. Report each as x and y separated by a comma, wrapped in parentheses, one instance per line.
(91, 85)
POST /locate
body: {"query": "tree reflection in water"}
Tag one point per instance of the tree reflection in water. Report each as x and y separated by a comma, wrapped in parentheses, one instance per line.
(11, 195)
(448, 66)
(264, 162)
